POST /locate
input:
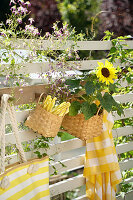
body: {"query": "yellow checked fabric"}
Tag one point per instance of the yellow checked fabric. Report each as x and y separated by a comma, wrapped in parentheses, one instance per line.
(101, 169)
(27, 181)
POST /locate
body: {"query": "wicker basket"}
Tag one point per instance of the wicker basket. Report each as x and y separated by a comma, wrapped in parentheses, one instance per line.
(81, 128)
(44, 122)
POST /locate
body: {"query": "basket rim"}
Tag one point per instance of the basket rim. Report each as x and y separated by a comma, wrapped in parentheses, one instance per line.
(82, 115)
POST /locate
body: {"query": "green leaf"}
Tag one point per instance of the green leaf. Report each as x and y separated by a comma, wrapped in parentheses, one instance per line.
(99, 97)
(74, 108)
(17, 83)
(106, 101)
(118, 108)
(129, 79)
(60, 134)
(85, 108)
(72, 83)
(13, 61)
(6, 60)
(93, 108)
(113, 88)
(98, 85)
(89, 87)
(88, 110)
(44, 154)
(114, 42)
(113, 50)
(38, 154)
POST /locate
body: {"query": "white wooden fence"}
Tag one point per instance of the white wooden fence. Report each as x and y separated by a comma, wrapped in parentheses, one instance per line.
(71, 152)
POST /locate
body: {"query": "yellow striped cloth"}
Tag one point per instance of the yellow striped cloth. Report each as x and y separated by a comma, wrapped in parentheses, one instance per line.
(26, 184)
(101, 168)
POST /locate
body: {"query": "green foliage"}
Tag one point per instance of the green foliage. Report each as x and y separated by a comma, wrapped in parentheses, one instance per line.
(74, 108)
(89, 87)
(117, 52)
(79, 13)
(72, 83)
(41, 145)
(88, 110)
(42, 142)
(107, 101)
(13, 30)
(126, 187)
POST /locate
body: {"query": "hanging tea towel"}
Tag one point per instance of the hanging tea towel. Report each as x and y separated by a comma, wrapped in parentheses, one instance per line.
(101, 169)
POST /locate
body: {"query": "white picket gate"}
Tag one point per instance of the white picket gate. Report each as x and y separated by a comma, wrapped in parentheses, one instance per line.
(71, 152)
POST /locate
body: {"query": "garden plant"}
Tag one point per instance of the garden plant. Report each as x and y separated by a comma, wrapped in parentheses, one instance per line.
(88, 92)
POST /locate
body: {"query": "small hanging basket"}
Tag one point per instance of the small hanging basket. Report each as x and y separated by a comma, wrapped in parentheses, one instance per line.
(44, 122)
(81, 128)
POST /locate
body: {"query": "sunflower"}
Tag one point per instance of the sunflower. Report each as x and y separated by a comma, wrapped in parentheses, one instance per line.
(106, 73)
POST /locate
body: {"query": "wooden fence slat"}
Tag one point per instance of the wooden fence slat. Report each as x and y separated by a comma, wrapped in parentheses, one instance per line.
(27, 135)
(54, 149)
(66, 185)
(14, 158)
(78, 162)
(65, 146)
(126, 165)
(22, 115)
(72, 183)
(128, 113)
(122, 148)
(128, 180)
(23, 135)
(56, 45)
(70, 164)
(73, 163)
(128, 196)
(79, 159)
(45, 66)
(122, 131)
(124, 98)
(25, 95)
(75, 144)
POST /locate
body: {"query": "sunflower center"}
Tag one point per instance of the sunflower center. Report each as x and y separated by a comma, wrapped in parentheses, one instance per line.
(105, 72)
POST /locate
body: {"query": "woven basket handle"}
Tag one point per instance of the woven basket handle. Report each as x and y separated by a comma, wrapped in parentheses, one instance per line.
(41, 97)
(98, 110)
(6, 106)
